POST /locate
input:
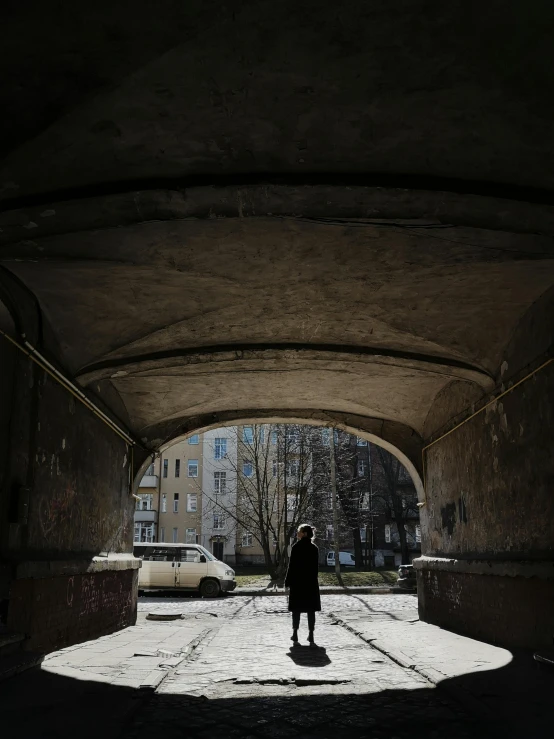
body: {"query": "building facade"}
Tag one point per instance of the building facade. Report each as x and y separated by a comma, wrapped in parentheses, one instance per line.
(169, 508)
(219, 491)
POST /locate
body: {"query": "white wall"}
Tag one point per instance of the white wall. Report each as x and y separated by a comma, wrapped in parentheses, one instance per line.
(228, 499)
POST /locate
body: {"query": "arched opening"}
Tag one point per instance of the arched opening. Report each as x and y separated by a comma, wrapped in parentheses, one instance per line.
(242, 490)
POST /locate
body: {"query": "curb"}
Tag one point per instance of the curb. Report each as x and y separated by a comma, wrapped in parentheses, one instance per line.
(329, 590)
(17, 662)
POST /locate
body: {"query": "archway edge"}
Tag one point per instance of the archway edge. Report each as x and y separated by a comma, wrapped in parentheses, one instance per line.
(400, 440)
(323, 198)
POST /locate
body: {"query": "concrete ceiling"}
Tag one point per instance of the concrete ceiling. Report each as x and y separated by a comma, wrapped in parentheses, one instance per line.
(280, 206)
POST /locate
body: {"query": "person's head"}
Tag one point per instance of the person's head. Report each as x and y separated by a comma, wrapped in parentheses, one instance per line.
(305, 531)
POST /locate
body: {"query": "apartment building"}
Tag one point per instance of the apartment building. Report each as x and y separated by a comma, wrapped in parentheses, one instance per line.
(273, 460)
(170, 505)
(147, 507)
(253, 446)
(219, 492)
(181, 472)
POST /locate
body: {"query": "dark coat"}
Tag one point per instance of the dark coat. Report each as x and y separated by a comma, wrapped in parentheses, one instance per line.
(302, 577)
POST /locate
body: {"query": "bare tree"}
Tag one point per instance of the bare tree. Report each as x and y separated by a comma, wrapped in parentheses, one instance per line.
(276, 487)
(388, 488)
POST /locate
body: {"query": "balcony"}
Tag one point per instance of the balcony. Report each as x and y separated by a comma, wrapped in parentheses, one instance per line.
(146, 516)
(149, 481)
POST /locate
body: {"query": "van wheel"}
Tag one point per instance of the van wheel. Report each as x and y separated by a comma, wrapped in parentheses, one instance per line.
(210, 589)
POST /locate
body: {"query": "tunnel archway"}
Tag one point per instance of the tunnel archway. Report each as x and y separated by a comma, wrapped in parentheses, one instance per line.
(294, 242)
(409, 455)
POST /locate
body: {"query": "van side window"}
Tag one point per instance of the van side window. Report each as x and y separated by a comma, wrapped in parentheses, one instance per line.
(190, 555)
(159, 554)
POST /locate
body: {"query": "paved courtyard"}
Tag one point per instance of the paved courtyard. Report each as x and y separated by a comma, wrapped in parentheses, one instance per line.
(227, 668)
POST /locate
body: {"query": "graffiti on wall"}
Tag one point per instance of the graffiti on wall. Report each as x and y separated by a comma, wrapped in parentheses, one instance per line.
(56, 511)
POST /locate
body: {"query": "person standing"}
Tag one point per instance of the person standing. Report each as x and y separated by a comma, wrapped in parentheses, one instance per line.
(302, 581)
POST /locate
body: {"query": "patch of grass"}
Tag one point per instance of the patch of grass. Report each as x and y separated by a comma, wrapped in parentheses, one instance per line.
(257, 576)
(359, 577)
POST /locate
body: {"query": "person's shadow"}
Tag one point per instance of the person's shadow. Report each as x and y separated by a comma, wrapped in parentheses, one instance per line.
(309, 656)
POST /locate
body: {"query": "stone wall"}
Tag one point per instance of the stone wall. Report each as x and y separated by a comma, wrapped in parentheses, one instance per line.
(488, 525)
(65, 497)
(512, 610)
(58, 611)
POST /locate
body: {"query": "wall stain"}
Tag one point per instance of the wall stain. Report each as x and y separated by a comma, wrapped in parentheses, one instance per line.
(448, 515)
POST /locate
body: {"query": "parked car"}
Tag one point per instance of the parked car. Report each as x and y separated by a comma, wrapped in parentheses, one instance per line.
(407, 577)
(345, 558)
(183, 566)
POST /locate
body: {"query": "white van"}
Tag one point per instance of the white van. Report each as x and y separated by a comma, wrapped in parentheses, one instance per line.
(183, 566)
(345, 558)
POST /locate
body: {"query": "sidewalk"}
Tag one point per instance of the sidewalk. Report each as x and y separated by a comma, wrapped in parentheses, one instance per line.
(139, 657)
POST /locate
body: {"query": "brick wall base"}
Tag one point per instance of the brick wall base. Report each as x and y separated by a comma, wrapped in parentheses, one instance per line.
(505, 610)
(56, 612)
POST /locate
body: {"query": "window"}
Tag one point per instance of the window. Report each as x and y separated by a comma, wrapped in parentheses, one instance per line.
(274, 468)
(193, 468)
(175, 502)
(192, 503)
(363, 534)
(166, 464)
(293, 468)
(220, 448)
(190, 555)
(361, 467)
(175, 537)
(329, 531)
(293, 435)
(361, 442)
(248, 435)
(195, 439)
(150, 469)
(325, 437)
(145, 503)
(387, 533)
(161, 554)
(247, 468)
(247, 539)
(144, 532)
(292, 502)
(418, 533)
(218, 521)
(164, 503)
(162, 533)
(262, 436)
(190, 537)
(220, 482)
(177, 467)
(274, 437)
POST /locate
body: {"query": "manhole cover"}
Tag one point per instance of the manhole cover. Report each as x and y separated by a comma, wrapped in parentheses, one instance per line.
(164, 616)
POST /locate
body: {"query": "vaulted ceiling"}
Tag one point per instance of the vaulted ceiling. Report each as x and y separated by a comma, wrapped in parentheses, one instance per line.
(280, 206)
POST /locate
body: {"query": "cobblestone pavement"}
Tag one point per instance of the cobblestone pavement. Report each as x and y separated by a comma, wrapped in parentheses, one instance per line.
(227, 668)
(248, 605)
